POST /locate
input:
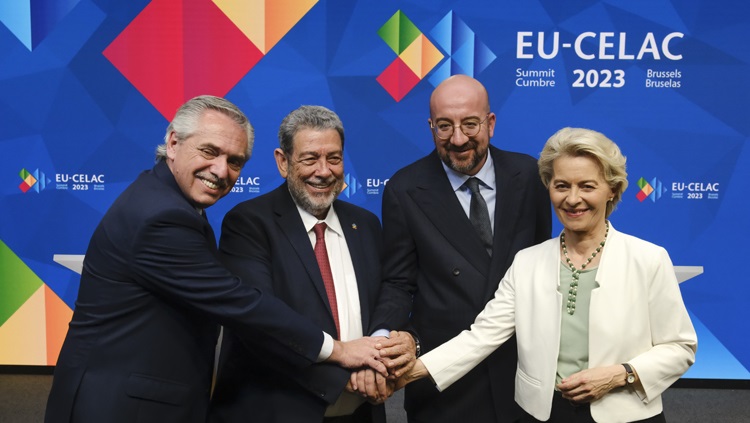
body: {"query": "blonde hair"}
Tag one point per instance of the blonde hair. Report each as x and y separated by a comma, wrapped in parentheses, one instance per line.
(576, 142)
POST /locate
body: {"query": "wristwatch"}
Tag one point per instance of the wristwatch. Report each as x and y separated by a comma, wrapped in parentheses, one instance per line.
(630, 376)
(417, 345)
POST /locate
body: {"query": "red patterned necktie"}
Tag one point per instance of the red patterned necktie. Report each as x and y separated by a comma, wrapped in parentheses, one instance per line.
(321, 254)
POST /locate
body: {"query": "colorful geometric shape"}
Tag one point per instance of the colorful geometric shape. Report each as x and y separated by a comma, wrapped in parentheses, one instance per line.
(32, 20)
(17, 283)
(399, 32)
(23, 335)
(398, 79)
(265, 22)
(652, 190)
(351, 185)
(57, 316)
(177, 49)
(421, 56)
(451, 33)
(33, 180)
(28, 180)
(483, 56)
(34, 334)
(467, 53)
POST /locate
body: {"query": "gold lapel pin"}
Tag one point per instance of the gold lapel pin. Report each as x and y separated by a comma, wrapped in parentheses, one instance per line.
(354, 226)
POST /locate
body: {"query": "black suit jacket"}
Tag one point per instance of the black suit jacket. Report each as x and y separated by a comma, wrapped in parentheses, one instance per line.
(436, 268)
(265, 239)
(140, 347)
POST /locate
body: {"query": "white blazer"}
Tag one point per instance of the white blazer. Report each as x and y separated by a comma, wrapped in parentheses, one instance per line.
(636, 316)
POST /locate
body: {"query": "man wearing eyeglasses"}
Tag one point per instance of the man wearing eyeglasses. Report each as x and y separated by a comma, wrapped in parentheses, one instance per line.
(452, 223)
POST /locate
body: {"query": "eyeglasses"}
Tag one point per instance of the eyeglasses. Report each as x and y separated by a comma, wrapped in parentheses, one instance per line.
(470, 127)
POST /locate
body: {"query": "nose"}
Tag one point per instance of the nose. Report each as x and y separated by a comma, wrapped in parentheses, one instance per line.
(458, 138)
(220, 168)
(322, 169)
(573, 197)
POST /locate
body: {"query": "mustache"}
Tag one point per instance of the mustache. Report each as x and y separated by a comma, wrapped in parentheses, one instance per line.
(317, 180)
(469, 145)
(210, 177)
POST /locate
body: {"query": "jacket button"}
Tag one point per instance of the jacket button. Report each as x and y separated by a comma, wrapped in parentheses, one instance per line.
(456, 271)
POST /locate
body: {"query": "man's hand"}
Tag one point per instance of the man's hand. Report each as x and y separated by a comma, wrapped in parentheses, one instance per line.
(357, 354)
(371, 385)
(398, 353)
(591, 384)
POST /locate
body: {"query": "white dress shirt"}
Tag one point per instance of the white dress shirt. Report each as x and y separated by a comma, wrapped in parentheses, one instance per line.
(347, 293)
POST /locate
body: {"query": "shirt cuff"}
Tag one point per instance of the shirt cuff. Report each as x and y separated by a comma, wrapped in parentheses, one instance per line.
(326, 349)
(382, 332)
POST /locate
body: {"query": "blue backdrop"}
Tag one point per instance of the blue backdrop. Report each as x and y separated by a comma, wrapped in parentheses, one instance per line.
(87, 88)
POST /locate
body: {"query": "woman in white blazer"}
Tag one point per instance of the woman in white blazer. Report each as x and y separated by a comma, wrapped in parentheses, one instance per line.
(601, 327)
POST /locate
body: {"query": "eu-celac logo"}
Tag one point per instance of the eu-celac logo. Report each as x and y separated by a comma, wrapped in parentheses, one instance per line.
(652, 190)
(351, 186)
(35, 180)
(418, 55)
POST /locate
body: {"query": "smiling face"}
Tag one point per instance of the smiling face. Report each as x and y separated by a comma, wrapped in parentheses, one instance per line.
(315, 169)
(207, 163)
(462, 100)
(579, 195)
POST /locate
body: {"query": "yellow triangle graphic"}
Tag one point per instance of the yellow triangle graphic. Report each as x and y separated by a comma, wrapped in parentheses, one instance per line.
(265, 22)
(23, 336)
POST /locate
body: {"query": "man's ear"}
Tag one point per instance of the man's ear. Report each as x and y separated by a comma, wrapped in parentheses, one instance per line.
(172, 144)
(282, 162)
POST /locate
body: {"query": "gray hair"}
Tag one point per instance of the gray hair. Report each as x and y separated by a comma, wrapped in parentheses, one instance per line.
(185, 121)
(577, 142)
(307, 117)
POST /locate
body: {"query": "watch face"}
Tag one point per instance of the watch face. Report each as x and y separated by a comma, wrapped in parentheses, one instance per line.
(631, 378)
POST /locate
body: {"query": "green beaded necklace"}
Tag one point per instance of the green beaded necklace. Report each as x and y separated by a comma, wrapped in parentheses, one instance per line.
(573, 290)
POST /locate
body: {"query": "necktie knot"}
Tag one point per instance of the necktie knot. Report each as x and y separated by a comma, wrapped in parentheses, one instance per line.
(473, 185)
(320, 230)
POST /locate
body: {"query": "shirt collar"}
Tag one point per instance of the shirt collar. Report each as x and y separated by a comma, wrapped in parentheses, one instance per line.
(331, 220)
(486, 174)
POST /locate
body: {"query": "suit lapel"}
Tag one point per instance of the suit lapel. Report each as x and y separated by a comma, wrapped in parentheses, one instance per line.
(507, 201)
(288, 220)
(435, 196)
(165, 175)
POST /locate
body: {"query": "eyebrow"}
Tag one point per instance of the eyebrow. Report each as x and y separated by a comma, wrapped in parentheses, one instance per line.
(317, 154)
(586, 181)
(462, 119)
(209, 144)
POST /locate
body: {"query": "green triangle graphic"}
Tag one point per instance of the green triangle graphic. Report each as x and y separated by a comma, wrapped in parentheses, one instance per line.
(17, 282)
(399, 32)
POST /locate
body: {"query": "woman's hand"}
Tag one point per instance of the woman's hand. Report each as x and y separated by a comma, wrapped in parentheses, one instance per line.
(591, 384)
(418, 371)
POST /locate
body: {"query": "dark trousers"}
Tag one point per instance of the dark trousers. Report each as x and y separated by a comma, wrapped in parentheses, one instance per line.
(563, 411)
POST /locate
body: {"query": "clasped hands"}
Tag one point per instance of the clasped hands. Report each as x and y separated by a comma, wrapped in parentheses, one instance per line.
(397, 355)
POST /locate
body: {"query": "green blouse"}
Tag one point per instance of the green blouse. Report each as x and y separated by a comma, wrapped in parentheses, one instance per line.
(574, 329)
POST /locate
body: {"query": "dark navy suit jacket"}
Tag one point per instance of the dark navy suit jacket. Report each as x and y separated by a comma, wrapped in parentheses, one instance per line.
(140, 346)
(264, 239)
(437, 276)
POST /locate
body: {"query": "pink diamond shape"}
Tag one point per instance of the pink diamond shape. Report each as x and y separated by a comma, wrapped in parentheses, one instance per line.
(175, 50)
(398, 79)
